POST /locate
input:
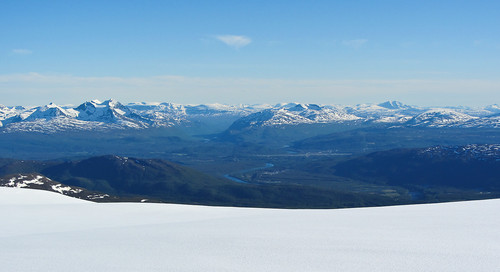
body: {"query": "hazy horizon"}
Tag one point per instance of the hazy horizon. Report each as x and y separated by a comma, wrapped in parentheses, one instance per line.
(124, 102)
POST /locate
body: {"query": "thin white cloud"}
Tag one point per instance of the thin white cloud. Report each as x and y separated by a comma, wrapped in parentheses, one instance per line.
(357, 43)
(234, 41)
(20, 51)
(477, 42)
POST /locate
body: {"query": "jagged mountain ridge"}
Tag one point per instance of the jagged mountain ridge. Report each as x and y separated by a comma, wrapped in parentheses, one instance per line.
(111, 114)
(87, 116)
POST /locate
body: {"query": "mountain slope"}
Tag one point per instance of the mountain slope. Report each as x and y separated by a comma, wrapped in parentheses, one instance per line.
(435, 171)
(441, 118)
(283, 124)
(366, 140)
(293, 114)
(40, 182)
(123, 175)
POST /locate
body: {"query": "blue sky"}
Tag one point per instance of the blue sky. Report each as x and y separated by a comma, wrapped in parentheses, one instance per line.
(328, 52)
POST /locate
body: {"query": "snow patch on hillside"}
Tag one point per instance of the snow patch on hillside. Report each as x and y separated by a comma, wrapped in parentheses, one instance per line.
(21, 182)
(64, 189)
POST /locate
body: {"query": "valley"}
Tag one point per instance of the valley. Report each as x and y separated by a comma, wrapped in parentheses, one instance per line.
(286, 155)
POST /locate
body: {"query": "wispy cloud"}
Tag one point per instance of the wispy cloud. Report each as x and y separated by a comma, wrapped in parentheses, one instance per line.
(357, 43)
(20, 51)
(477, 42)
(234, 41)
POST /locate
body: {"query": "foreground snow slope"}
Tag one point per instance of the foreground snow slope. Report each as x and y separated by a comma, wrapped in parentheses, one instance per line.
(43, 231)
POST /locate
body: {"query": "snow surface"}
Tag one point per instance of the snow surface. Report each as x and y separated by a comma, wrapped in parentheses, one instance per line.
(43, 231)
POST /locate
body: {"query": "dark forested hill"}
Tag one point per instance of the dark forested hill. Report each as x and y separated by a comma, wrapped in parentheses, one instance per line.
(465, 167)
(164, 181)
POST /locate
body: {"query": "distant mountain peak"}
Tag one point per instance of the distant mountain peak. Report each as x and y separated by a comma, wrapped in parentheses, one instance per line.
(50, 111)
(493, 108)
(298, 107)
(111, 103)
(302, 107)
(393, 105)
(107, 110)
(314, 107)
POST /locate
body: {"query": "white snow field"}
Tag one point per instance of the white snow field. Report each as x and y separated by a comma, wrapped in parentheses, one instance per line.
(44, 231)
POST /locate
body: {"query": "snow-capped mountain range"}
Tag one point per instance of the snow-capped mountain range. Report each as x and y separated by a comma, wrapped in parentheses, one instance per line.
(111, 114)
